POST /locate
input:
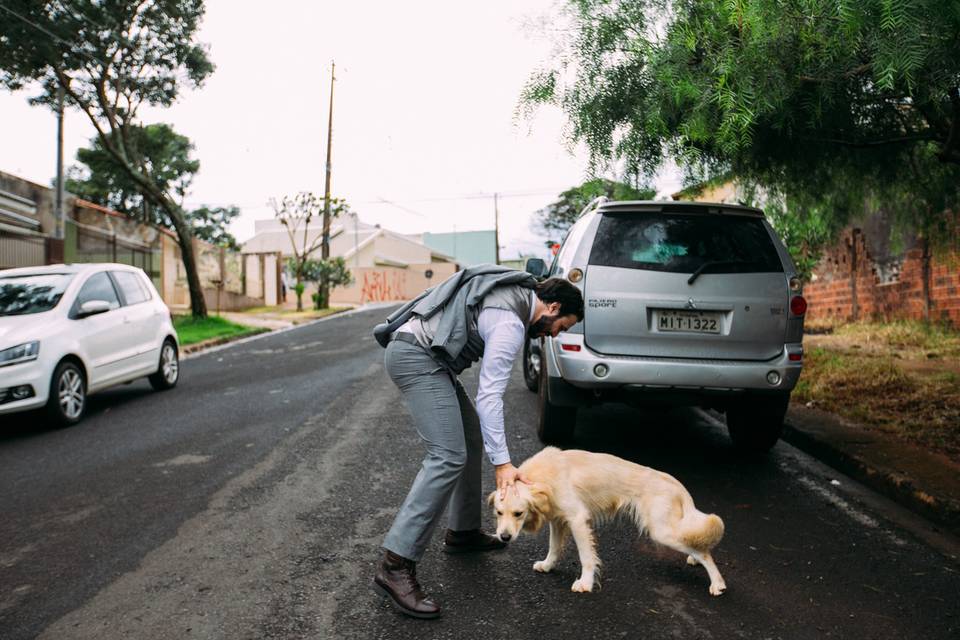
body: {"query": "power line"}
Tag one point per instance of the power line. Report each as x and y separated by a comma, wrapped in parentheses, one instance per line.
(396, 203)
(401, 207)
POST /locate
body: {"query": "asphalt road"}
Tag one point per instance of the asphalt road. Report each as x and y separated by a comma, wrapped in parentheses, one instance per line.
(250, 502)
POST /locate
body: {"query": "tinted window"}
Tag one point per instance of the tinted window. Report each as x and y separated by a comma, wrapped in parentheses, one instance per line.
(22, 295)
(682, 243)
(133, 290)
(98, 287)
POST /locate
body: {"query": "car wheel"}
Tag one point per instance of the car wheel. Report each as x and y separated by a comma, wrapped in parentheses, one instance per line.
(68, 394)
(555, 424)
(755, 424)
(531, 367)
(168, 371)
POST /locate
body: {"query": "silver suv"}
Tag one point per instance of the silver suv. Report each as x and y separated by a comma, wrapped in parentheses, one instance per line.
(687, 303)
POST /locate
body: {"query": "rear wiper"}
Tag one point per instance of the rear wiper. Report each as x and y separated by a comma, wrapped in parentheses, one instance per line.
(714, 263)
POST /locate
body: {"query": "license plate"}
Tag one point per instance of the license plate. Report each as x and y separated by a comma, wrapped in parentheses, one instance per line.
(689, 321)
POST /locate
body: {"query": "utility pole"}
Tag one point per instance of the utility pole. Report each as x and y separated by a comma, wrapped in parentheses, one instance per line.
(58, 211)
(496, 229)
(325, 246)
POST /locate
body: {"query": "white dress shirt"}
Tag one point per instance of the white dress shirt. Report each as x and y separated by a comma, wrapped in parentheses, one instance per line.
(503, 334)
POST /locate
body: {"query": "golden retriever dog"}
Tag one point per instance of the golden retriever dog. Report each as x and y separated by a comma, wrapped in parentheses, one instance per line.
(573, 489)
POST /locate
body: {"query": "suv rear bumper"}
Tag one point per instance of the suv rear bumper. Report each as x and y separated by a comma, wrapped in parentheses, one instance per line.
(701, 376)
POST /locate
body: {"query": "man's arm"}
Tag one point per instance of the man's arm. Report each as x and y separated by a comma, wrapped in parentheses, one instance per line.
(503, 334)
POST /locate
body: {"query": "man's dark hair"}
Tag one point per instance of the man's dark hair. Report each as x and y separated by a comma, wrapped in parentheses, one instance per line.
(559, 290)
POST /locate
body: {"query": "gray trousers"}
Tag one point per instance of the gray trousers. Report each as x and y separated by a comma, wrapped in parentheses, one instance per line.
(449, 427)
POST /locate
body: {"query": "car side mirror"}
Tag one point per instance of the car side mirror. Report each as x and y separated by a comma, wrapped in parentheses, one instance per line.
(536, 266)
(93, 307)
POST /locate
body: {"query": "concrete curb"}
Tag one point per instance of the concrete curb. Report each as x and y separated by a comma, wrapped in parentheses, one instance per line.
(926, 483)
(197, 347)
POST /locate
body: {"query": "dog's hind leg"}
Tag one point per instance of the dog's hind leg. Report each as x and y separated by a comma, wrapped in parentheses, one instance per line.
(717, 585)
(666, 536)
(589, 562)
(558, 538)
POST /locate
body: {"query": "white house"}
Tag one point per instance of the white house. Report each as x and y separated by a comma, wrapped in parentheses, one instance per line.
(386, 265)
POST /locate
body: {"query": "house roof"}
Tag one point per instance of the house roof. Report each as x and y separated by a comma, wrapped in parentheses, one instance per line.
(277, 238)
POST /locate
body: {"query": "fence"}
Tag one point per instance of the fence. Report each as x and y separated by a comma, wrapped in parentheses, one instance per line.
(19, 250)
(90, 244)
(852, 283)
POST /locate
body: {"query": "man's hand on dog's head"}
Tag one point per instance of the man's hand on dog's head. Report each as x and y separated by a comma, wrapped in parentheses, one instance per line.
(508, 476)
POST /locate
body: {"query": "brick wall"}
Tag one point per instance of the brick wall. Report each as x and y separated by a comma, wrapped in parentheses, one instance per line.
(858, 280)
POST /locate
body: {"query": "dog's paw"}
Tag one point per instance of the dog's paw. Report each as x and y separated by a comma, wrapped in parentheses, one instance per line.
(582, 586)
(543, 566)
(718, 589)
(692, 561)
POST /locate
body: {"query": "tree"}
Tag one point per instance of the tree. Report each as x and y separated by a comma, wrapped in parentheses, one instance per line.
(103, 180)
(333, 271)
(557, 217)
(108, 59)
(295, 214)
(843, 98)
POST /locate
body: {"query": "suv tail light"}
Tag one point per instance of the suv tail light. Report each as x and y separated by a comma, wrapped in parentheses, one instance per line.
(798, 305)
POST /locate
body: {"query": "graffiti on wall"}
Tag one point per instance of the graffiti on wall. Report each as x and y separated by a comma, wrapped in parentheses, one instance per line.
(383, 286)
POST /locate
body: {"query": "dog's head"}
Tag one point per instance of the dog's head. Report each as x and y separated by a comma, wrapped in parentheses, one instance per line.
(523, 509)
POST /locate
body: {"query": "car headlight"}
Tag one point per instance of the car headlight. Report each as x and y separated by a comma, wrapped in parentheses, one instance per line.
(20, 353)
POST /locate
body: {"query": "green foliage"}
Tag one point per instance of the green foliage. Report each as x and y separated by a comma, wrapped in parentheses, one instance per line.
(144, 50)
(833, 98)
(104, 180)
(805, 227)
(558, 216)
(210, 224)
(295, 214)
(166, 155)
(334, 270)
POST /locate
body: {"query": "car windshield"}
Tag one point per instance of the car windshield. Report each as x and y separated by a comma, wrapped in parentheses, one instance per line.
(36, 293)
(685, 243)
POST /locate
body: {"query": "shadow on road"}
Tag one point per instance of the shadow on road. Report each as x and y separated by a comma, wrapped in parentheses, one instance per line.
(20, 426)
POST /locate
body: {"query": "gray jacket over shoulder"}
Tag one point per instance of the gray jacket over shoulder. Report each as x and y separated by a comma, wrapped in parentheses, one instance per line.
(459, 296)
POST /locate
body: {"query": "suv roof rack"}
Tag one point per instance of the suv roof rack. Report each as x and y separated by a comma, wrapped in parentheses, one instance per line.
(596, 203)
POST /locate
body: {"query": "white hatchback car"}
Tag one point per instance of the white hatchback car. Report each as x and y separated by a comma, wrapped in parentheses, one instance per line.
(70, 330)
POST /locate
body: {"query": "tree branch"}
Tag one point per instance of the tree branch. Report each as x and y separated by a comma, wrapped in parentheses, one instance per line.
(877, 143)
(953, 138)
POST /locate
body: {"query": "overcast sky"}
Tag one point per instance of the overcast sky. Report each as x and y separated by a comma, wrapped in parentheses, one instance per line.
(424, 114)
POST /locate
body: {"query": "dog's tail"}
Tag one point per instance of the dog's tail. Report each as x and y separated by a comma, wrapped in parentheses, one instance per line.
(699, 530)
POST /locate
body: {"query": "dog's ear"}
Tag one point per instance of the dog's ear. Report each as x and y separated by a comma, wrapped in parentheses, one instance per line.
(491, 498)
(539, 507)
(541, 499)
(533, 522)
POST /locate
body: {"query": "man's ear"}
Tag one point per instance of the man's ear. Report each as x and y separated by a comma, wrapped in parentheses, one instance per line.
(553, 308)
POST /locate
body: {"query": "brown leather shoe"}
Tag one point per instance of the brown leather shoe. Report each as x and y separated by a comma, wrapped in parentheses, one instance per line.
(471, 541)
(397, 580)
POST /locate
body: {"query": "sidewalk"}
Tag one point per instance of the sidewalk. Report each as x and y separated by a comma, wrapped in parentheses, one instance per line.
(924, 482)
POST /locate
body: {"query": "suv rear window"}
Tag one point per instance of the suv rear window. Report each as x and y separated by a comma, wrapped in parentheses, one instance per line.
(682, 243)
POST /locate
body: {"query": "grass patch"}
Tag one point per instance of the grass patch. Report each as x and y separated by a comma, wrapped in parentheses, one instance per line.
(880, 392)
(191, 330)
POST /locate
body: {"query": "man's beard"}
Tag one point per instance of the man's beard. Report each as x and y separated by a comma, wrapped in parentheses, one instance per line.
(542, 326)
